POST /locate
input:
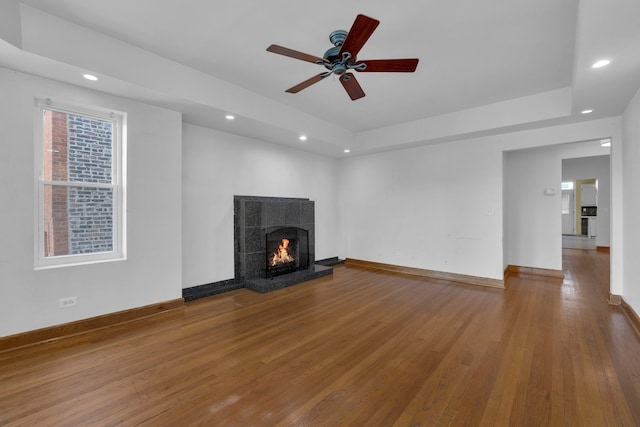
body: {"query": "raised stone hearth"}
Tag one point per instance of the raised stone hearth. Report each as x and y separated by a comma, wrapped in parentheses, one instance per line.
(264, 285)
(256, 217)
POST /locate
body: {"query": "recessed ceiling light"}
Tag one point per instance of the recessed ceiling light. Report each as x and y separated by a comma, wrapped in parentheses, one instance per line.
(605, 142)
(601, 63)
(229, 117)
(586, 111)
(90, 77)
(347, 150)
(303, 137)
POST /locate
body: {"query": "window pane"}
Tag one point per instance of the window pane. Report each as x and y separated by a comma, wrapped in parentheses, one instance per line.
(77, 148)
(77, 220)
(568, 185)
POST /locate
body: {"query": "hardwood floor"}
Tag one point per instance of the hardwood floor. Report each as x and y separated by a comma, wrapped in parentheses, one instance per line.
(364, 348)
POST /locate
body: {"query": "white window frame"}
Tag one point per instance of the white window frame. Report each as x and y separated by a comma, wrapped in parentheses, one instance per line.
(119, 121)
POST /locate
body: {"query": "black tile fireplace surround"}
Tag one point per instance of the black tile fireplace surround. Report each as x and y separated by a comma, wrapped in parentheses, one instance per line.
(254, 218)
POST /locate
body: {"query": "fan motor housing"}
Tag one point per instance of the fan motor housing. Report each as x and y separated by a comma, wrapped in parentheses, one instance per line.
(332, 55)
(337, 63)
(337, 37)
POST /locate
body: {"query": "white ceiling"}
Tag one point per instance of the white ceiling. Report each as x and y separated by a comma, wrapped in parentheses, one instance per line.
(207, 58)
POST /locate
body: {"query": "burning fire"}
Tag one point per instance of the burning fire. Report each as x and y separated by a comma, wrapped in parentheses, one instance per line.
(282, 256)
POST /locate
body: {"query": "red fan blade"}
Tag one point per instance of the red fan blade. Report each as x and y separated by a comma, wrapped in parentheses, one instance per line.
(358, 35)
(305, 84)
(352, 86)
(390, 65)
(294, 54)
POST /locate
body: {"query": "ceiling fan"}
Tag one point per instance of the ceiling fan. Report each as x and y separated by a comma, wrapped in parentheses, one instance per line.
(342, 58)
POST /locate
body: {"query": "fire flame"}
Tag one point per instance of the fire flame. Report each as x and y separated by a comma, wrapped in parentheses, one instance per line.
(282, 256)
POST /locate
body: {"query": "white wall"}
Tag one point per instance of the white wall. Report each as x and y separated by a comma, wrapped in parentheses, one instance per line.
(594, 167)
(430, 207)
(533, 218)
(631, 204)
(426, 207)
(152, 272)
(217, 166)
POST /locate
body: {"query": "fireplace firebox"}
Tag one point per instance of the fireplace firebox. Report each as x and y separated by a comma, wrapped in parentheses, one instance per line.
(287, 251)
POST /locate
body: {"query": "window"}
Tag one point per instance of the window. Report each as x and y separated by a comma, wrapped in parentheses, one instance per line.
(568, 185)
(80, 193)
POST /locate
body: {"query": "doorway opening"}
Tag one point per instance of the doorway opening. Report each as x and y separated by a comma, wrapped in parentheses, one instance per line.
(585, 202)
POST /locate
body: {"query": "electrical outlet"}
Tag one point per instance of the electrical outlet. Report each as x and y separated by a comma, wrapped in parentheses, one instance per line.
(67, 302)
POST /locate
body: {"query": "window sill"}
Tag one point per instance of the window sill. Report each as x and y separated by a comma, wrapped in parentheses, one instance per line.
(76, 263)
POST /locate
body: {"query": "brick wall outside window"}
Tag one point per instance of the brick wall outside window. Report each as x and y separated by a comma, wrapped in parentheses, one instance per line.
(77, 219)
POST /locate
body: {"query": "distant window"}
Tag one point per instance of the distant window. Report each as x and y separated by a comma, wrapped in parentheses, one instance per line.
(80, 192)
(569, 185)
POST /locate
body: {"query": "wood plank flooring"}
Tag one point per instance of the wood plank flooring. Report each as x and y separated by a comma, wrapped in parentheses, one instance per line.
(364, 348)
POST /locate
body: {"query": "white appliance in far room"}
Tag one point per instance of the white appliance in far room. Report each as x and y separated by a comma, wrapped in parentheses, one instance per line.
(593, 226)
(589, 202)
(589, 195)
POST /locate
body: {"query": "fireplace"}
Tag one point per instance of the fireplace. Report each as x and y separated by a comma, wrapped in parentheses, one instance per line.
(287, 251)
(283, 227)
